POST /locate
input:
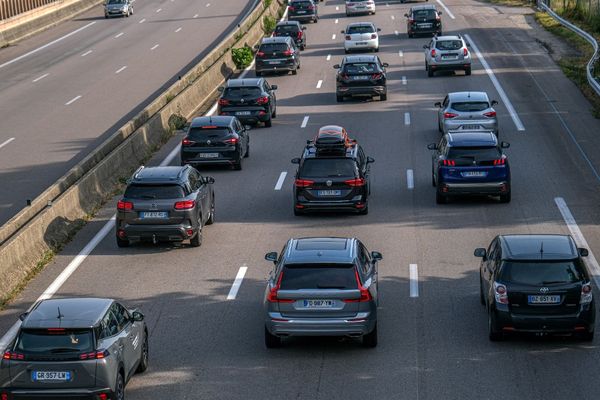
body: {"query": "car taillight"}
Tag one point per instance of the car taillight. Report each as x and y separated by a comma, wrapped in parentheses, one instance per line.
(288, 53)
(348, 37)
(262, 100)
(376, 76)
(102, 396)
(260, 54)
(586, 293)
(187, 142)
(500, 293)
(433, 53)
(311, 7)
(438, 18)
(365, 295)
(411, 21)
(272, 295)
(12, 355)
(500, 161)
(448, 115)
(4, 396)
(185, 205)
(231, 141)
(299, 34)
(303, 183)
(490, 114)
(448, 163)
(344, 76)
(355, 182)
(223, 102)
(94, 355)
(291, 8)
(465, 52)
(124, 205)
(374, 36)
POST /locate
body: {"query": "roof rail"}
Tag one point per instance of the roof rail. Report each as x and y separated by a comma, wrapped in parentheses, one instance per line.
(183, 170)
(137, 171)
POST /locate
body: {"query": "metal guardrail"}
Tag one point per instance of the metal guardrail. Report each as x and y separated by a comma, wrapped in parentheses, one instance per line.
(10, 8)
(590, 65)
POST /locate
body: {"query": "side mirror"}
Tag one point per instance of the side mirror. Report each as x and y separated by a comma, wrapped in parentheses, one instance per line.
(494, 102)
(378, 29)
(440, 13)
(425, 46)
(385, 65)
(23, 316)
(208, 180)
(274, 87)
(432, 146)
(295, 161)
(221, 89)
(438, 104)
(303, 28)
(375, 255)
(272, 256)
(370, 160)
(583, 252)
(256, 47)
(137, 316)
(342, 31)
(406, 15)
(247, 127)
(504, 145)
(480, 252)
(336, 66)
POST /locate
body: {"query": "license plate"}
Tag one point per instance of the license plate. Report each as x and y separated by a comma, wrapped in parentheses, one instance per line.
(301, 12)
(361, 43)
(274, 62)
(474, 174)
(540, 299)
(154, 214)
(208, 155)
(424, 25)
(449, 57)
(242, 113)
(51, 376)
(319, 303)
(360, 77)
(471, 127)
(329, 192)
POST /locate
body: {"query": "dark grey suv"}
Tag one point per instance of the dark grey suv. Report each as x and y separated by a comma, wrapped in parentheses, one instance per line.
(277, 54)
(165, 204)
(77, 348)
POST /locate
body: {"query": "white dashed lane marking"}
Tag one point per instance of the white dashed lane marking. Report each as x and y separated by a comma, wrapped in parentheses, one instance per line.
(280, 181)
(73, 100)
(86, 53)
(304, 122)
(237, 283)
(410, 179)
(319, 84)
(6, 142)
(121, 69)
(40, 78)
(414, 280)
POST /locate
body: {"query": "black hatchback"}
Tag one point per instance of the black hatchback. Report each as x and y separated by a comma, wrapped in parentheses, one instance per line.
(538, 284)
(361, 76)
(251, 100)
(294, 30)
(277, 54)
(303, 10)
(424, 19)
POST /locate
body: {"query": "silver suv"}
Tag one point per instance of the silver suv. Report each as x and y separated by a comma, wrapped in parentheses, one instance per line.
(118, 8)
(74, 348)
(470, 111)
(447, 53)
(165, 204)
(322, 287)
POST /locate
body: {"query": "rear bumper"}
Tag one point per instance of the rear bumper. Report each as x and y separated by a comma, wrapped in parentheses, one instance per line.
(417, 31)
(489, 188)
(254, 117)
(579, 322)
(355, 45)
(450, 125)
(163, 233)
(288, 65)
(360, 90)
(341, 205)
(225, 158)
(55, 394)
(359, 325)
(302, 17)
(362, 10)
(463, 64)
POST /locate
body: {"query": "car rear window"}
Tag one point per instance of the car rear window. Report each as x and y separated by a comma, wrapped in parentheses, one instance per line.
(241, 92)
(318, 276)
(541, 273)
(358, 68)
(470, 106)
(55, 341)
(328, 168)
(287, 28)
(301, 4)
(360, 29)
(151, 192)
(272, 47)
(421, 14)
(474, 153)
(448, 44)
(204, 134)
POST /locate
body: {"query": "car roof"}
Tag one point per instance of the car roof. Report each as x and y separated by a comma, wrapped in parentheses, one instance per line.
(75, 313)
(243, 82)
(170, 174)
(320, 250)
(471, 139)
(364, 23)
(218, 120)
(288, 23)
(538, 247)
(276, 39)
(468, 96)
(447, 37)
(311, 152)
(361, 58)
(423, 7)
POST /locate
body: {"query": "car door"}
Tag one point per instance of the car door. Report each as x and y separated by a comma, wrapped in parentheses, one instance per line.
(442, 110)
(364, 167)
(110, 339)
(370, 269)
(243, 133)
(273, 99)
(488, 267)
(201, 194)
(129, 336)
(437, 155)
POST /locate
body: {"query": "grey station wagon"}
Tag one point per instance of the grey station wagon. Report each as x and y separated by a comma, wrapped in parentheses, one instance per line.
(76, 348)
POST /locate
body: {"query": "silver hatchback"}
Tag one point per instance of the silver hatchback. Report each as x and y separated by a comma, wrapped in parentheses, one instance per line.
(360, 7)
(471, 111)
(322, 287)
(447, 53)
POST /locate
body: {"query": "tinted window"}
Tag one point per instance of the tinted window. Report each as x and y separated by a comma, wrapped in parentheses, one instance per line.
(360, 29)
(116, 1)
(150, 192)
(204, 134)
(273, 47)
(424, 14)
(318, 276)
(46, 341)
(328, 167)
(241, 92)
(286, 28)
(448, 45)
(357, 68)
(541, 273)
(301, 4)
(121, 315)
(470, 106)
(474, 153)
(109, 325)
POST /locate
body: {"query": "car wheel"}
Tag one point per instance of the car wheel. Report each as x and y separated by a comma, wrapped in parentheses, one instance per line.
(440, 126)
(297, 212)
(586, 336)
(274, 114)
(376, 50)
(271, 341)
(143, 365)
(247, 154)
(339, 99)
(440, 198)
(238, 165)
(105, 16)
(122, 242)
(429, 72)
(481, 296)
(410, 36)
(468, 71)
(347, 14)
(269, 123)
(493, 332)
(303, 47)
(120, 388)
(211, 216)
(383, 97)
(505, 198)
(131, 11)
(346, 51)
(196, 240)
(364, 211)
(295, 71)
(370, 339)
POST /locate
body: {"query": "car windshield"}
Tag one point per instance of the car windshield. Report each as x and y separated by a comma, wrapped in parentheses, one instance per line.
(424, 14)
(116, 1)
(539, 273)
(199, 134)
(474, 153)
(360, 29)
(328, 168)
(55, 341)
(239, 92)
(273, 47)
(359, 68)
(318, 276)
(154, 192)
(448, 44)
(300, 4)
(287, 29)
(470, 106)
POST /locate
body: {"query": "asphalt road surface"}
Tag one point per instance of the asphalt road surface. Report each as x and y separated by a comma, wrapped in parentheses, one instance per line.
(66, 90)
(433, 345)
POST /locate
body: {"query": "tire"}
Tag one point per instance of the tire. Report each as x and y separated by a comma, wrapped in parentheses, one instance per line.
(120, 388)
(370, 339)
(143, 365)
(468, 71)
(432, 179)
(211, 216)
(364, 211)
(271, 341)
(196, 240)
(505, 198)
(377, 50)
(440, 198)
(297, 212)
(340, 99)
(106, 16)
(440, 127)
(122, 242)
(274, 115)
(586, 336)
(247, 154)
(269, 123)
(481, 295)
(238, 165)
(383, 97)
(302, 47)
(493, 333)
(346, 51)
(410, 36)
(295, 71)
(429, 72)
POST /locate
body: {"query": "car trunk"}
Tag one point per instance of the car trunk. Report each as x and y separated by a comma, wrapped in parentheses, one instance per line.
(155, 204)
(328, 179)
(360, 36)
(520, 298)
(363, 74)
(273, 52)
(475, 164)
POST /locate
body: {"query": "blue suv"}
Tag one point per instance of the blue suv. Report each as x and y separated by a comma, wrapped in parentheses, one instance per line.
(470, 163)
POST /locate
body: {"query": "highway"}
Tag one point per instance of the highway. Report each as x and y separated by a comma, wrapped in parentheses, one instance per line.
(66, 90)
(433, 341)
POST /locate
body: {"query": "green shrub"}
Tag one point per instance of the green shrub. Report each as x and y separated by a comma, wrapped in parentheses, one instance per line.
(269, 24)
(242, 57)
(267, 3)
(177, 121)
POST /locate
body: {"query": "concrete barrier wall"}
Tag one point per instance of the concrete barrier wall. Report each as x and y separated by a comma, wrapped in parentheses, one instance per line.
(95, 179)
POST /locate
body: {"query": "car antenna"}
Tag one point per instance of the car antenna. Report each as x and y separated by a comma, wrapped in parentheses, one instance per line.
(542, 250)
(59, 316)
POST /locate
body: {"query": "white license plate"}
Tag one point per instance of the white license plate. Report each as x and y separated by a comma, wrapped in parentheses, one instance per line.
(242, 113)
(471, 127)
(360, 77)
(474, 174)
(301, 12)
(424, 25)
(319, 303)
(51, 376)
(541, 299)
(274, 62)
(329, 192)
(361, 43)
(449, 57)
(208, 155)
(154, 214)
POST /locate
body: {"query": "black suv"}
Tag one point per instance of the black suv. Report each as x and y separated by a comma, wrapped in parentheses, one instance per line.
(333, 174)
(303, 10)
(215, 141)
(536, 283)
(294, 30)
(276, 54)
(423, 19)
(361, 76)
(251, 100)
(165, 204)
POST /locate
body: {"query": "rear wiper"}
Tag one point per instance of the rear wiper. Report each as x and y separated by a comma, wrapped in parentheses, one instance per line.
(63, 350)
(330, 287)
(147, 196)
(551, 282)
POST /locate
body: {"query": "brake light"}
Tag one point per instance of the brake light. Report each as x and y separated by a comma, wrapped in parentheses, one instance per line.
(231, 141)
(291, 8)
(365, 295)
(124, 205)
(411, 21)
(94, 355)
(348, 37)
(500, 161)
(374, 36)
(103, 396)
(223, 102)
(11, 355)
(288, 53)
(4, 396)
(500, 293)
(490, 114)
(355, 182)
(299, 34)
(260, 54)
(185, 205)
(187, 142)
(262, 100)
(586, 293)
(311, 7)
(465, 51)
(448, 115)
(376, 76)
(272, 296)
(433, 52)
(448, 163)
(303, 183)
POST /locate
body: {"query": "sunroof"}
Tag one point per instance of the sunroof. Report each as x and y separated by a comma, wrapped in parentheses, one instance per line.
(321, 244)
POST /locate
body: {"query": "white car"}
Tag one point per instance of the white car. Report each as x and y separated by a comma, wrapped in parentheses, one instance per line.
(361, 36)
(360, 7)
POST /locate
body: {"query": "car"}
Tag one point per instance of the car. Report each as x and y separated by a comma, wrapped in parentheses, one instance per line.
(363, 75)
(470, 163)
(467, 110)
(215, 141)
(361, 36)
(333, 174)
(67, 348)
(275, 54)
(423, 19)
(536, 284)
(322, 287)
(118, 8)
(251, 100)
(447, 53)
(303, 10)
(294, 30)
(360, 7)
(165, 204)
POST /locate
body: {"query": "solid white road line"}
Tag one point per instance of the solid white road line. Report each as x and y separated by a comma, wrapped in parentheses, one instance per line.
(404, 80)
(410, 179)
(446, 9)
(328, 57)
(319, 84)
(406, 118)
(304, 122)
(5, 143)
(86, 53)
(590, 260)
(414, 280)
(73, 100)
(400, 53)
(47, 45)
(154, 47)
(142, 21)
(237, 282)
(119, 35)
(333, 37)
(40, 78)
(121, 69)
(499, 89)
(280, 181)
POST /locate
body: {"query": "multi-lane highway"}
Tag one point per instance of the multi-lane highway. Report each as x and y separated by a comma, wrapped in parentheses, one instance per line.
(64, 91)
(433, 341)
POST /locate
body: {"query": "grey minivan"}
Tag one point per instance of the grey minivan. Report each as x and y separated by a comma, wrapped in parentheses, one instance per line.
(322, 287)
(79, 348)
